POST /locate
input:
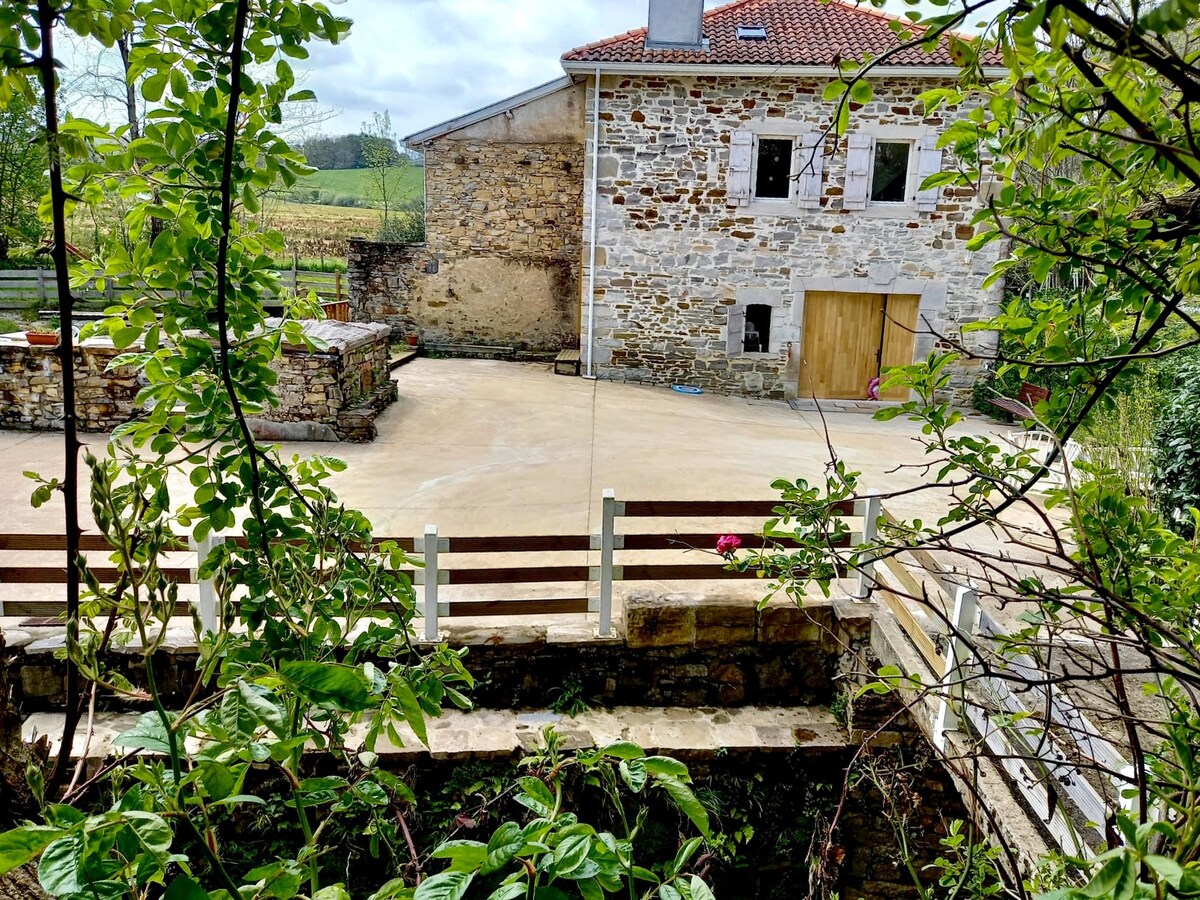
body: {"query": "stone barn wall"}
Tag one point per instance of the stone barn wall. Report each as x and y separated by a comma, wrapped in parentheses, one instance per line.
(503, 226)
(674, 258)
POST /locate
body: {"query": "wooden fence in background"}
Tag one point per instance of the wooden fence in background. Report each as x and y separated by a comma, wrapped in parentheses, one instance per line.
(25, 289)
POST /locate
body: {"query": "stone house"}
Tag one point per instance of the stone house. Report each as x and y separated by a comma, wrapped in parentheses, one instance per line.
(680, 202)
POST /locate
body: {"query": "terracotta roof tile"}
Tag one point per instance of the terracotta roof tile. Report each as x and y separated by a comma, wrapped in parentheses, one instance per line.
(799, 33)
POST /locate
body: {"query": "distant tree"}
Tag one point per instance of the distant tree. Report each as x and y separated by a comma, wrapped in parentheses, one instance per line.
(386, 165)
(22, 175)
(342, 151)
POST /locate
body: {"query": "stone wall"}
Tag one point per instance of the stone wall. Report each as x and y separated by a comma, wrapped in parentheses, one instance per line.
(335, 393)
(31, 386)
(341, 387)
(674, 257)
(503, 226)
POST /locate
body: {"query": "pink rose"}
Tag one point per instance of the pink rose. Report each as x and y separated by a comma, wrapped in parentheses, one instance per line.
(727, 543)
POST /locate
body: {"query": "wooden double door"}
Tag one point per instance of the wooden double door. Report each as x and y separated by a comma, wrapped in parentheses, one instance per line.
(849, 338)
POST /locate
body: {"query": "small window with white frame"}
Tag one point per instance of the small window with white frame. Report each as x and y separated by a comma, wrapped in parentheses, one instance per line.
(886, 170)
(891, 172)
(773, 168)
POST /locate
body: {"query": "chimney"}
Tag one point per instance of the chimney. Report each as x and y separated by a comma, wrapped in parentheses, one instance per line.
(676, 24)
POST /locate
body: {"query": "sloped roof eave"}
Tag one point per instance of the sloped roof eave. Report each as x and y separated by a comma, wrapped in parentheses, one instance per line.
(587, 67)
(508, 104)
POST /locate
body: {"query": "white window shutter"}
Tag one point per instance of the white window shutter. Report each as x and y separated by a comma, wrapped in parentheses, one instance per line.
(810, 165)
(858, 171)
(741, 154)
(735, 333)
(929, 162)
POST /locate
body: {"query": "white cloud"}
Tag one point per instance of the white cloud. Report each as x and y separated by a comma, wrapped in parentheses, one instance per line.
(430, 60)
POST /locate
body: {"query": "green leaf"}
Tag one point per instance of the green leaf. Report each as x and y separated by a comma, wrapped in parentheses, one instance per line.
(329, 684)
(624, 750)
(634, 774)
(219, 782)
(266, 711)
(535, 795)
(183, 888)
(333, 892)
(700, 890)
(509, 891)
(570, 854)
(444, 886)
(20, 845)
(413, 714)
(686, 801)
(148, 734)
(665, 765)
(124, 336)
(464, 856)
(503, 847)
(685, 853)
(861, 92)
(61, 867)
(237, 717)
(1166, 868)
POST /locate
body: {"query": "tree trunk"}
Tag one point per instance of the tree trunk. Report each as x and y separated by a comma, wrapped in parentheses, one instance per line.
(22, 884)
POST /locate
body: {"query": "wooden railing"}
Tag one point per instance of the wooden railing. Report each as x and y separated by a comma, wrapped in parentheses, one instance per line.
(33, 288)
(611, 548)
(1014, 729)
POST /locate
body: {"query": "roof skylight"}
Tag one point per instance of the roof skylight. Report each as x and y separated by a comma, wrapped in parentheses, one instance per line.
(752, 32)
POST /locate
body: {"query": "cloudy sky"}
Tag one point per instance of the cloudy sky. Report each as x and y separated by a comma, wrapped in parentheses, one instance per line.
(426, 61)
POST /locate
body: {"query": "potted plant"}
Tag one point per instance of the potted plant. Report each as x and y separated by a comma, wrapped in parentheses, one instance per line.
(44, 336)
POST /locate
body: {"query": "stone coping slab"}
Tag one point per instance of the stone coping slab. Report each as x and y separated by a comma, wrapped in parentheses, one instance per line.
(490, 733)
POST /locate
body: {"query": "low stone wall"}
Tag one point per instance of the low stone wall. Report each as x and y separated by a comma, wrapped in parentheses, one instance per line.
(329, 394)
(31, 386)
(336, 392)
(531, 303)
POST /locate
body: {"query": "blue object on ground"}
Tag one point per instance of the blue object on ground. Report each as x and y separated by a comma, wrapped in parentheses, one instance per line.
(686, 389)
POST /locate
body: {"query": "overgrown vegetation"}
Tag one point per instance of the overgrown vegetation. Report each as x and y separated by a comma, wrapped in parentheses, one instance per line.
(312, 662)
(1101, 97)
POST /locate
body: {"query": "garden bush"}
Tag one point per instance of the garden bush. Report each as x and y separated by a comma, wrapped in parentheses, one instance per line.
(1177, 446)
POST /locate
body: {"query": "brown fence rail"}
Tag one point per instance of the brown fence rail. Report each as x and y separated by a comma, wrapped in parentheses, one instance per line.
(610, 544)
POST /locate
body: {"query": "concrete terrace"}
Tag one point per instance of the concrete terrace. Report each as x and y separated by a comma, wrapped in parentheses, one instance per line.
(484, 448)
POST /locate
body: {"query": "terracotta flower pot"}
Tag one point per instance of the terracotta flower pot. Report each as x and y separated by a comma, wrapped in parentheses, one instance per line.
(412, 339)
(42, 338)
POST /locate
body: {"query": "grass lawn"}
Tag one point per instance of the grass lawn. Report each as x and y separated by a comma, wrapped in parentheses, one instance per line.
(356, 183)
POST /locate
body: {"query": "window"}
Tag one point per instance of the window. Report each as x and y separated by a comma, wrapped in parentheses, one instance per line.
(757, 337)
(773, 170)
(752, 32)
(886, 170)
(889, 178)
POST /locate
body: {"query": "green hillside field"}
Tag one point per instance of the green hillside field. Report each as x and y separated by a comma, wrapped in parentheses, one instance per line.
(334, 185)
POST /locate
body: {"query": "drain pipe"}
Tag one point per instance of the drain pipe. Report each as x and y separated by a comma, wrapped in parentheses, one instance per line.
(591, 313)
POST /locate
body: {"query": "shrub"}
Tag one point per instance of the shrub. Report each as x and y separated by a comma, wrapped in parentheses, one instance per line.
(1177, 448)
(1122, 436)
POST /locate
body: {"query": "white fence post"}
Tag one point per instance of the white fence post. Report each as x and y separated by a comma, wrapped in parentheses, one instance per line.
(866, 571)
(206, 608)
(958, 657)
(608, 520)
(431, 583)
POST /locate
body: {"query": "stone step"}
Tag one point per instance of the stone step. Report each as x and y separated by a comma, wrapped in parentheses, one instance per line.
(491, 733)
(401, 358)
